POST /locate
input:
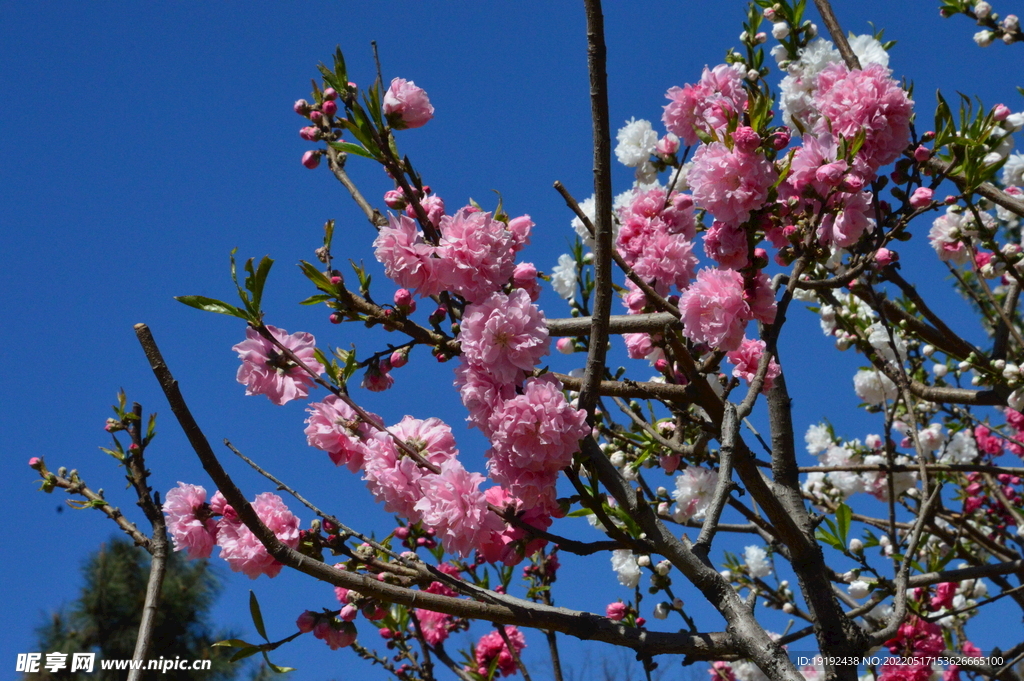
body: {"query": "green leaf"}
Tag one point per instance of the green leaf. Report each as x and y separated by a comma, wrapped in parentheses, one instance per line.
(232, 643)
(824, 535)
(340, 72)
(314, 299)
(843, 516)
(318, 278)
(257, 616)
(213, 305)
(256, 281)
(350, 148)
(274, 667)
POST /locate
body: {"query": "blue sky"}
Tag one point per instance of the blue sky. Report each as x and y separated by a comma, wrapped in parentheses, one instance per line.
(141, 142)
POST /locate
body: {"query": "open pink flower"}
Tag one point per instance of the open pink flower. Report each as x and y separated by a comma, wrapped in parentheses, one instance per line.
(481, 393)
(435, 625)
(334, 427)
(504, 335)
(267, 371)
(869, 101)
(408, 260)
(706, 106)
(511, 543)
(716, 308)
(243, 551)
(406, 105)
(730, 183)
(455, 507)
(476, 254)
(190, 521)
(746, 359)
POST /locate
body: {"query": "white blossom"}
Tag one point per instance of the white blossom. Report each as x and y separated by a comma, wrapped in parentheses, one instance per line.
(818, 439)
(695, 487)
(563, 277)
(1013, 170)
(878, 337)
(756, 560)
(624, 563)
(847, 482)
(984, 38)
(873, 386)
(869, 50)
(961, 448)
(780, 30)
(637, 141)
(858, 589)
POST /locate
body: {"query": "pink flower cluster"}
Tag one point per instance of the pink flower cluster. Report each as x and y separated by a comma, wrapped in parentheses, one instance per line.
(868, 101)
(656, 238)
(746, 359)
(717, 307)
(193, 528)
(335, 428)
(491, 647)
(435, 625)
(474, 258)
(707, 106)
(504, 336)
(266, 370)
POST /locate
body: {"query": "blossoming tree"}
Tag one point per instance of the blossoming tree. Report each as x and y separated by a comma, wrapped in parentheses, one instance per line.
(769, 188)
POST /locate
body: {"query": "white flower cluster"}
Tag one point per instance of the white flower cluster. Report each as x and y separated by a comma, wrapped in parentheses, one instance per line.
(636, 142)
(830, 452)
(695, 488)
(624, 563)
(756, 560)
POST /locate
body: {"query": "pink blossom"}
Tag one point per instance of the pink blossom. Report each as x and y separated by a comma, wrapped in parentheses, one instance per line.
(944, 594)
(243, 551)
(476, 254)
(525, 277)
(817, 152)
(868, 100)
(746, 139)
(492, 647)
(746, 360)
(481, 393)
(406, 105)
(641, 346)
(504, 335)
(267, 371)
(616, 611)
(334, 633)
(922, 197)
(433, 206)
(706, 106)
(306, 621)
(846, 218)
(727, 245)
(220, 506)
(375, 380)
(716, 308)
(456, 509)
(435, 625)
(337, 429)
(534, 436)
(394, 477)
(520, 228)
(512, 543)
(189, 520)
(730, 183)
(721, 671)
(406, 257)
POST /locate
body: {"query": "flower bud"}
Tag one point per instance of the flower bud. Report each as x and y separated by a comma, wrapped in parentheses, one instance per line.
(780, 30)
(788, 608)
(856, 545)
(667, 145)
(310, 133)
(329, 108)
(306, 621)
(406, 105)
(330, 94)
(566, 346)
(940, 370)
(984, 38)
(922, 154)
(311, 159)
(922, 197)
(661, 611)
(301, 107)
(35, 463)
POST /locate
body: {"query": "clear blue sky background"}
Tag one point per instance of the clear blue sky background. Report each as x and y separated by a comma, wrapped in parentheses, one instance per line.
(141, 142)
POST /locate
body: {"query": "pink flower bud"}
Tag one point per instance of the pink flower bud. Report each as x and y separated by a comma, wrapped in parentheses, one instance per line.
(399, 359)
(349, 613)
(301, 107)
(330, 94)
(133, 447)
(640, 621)
(746, 139)
(401, 532)
(403, 298)
(922, 154)
(316, 116)
(335, 280)
(335, 318)
(35, 463)
(329, 108)
(616, 611)
(884, 257)
(407, 106)
(395, 199)
(670, 463)
(1000, 112)
(921, 198)
(661, 365)
(311, 159)
(565, 346)
(386, 633)
(306, 621)
(310, 133)
(668, 145)
(780, 140)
